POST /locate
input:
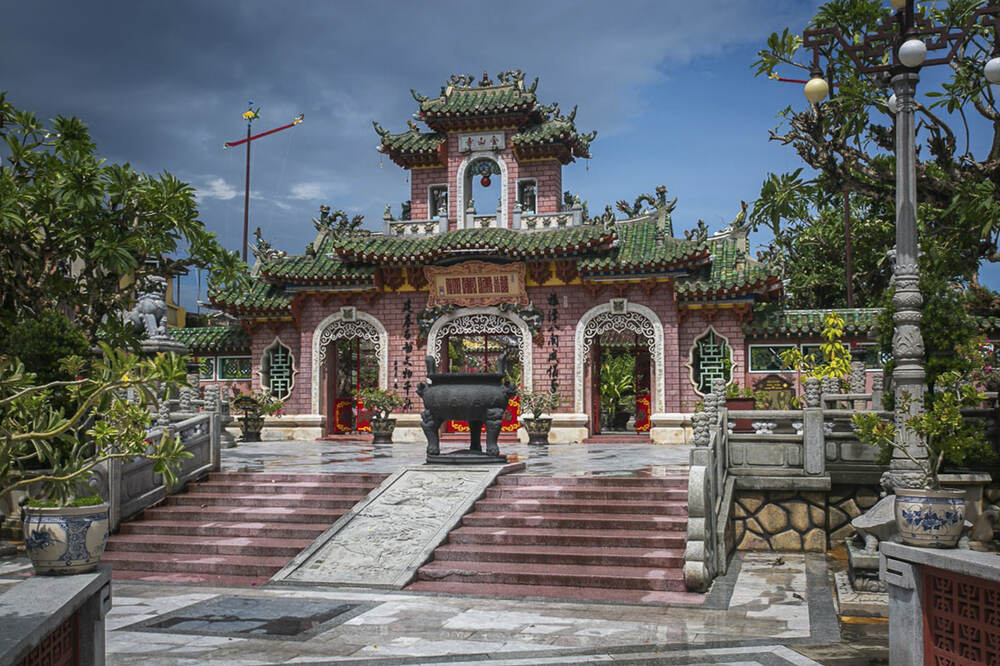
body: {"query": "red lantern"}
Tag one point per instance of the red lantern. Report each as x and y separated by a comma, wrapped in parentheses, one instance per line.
(485, 181)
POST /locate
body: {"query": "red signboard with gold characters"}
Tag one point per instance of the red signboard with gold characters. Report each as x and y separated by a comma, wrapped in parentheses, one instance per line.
(476, 283)
(344, 410)
(642, 422)
(509, 424)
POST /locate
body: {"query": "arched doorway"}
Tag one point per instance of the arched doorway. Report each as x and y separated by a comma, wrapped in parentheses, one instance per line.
(349, 353)
(482, 178)
(619, 358)
(473, 340)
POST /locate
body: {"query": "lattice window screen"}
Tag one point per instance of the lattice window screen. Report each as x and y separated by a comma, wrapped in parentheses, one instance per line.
(279, 371)
(710, 361)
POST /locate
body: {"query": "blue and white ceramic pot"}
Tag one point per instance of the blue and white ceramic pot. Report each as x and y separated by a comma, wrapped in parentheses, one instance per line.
(65, 540)
(930, 518)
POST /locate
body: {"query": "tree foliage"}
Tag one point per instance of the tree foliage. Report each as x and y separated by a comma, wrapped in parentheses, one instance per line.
(849, 141)
(43, 443)
(79, 233)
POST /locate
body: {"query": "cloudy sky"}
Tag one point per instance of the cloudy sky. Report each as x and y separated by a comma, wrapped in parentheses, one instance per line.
(667, 84)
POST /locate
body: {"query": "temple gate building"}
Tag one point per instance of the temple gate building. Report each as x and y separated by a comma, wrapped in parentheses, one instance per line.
(626, 321)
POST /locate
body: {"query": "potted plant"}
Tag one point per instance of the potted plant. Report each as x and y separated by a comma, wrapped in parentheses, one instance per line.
(742, 399)
(929, 515)
(538, 403)
(255, 406)
(381, 403)
(51, 451)
(617, 385)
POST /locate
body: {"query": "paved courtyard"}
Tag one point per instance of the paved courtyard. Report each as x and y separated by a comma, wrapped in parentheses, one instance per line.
(768, 609)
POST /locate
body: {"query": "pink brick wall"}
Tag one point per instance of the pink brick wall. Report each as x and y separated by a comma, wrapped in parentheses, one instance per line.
(548, 174)
(420, 180)
(573, 303)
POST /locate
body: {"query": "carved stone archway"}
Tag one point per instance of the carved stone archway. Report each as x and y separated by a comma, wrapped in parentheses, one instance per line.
(479, 321)
(463, 186)
(619, 317)
(361, 325)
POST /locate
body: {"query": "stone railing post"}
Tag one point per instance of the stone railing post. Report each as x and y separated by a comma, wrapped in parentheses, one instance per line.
(114, 493)
(215, 440)
(470, 215)
(813, 440)
(515, 218)
(577, 212)
(878, 385)
(857, 378)
(386, 219)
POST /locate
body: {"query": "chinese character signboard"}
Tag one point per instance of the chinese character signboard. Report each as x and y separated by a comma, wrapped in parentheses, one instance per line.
(476, 283)
(468, 143)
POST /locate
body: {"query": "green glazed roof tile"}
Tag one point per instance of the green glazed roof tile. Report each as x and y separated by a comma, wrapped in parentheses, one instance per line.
(731, 273)
(773, 322)
(259, 298)
(551, 131)
(213, 339)
(552, 243)
(459, 101)
(643, 246)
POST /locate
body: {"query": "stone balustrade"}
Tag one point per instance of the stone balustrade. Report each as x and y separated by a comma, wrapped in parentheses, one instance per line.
(412, 228)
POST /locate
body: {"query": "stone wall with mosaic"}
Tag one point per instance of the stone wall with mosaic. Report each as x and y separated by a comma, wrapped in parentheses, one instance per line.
(798, 520)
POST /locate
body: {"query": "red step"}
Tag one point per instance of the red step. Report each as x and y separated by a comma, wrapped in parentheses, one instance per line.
(600, 538)
(604, 506)
(233, 528)
(523, 573)
(558, 592)
(223, 529)
(576, 520)
(558, 554)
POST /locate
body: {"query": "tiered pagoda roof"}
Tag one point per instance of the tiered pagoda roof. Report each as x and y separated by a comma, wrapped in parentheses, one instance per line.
(354, 261)
(464, 105)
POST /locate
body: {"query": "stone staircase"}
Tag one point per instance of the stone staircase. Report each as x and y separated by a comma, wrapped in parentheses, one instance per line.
(234, 528)
(595, 538)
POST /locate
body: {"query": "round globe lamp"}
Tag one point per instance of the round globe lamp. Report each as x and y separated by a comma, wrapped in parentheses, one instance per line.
(816, 90)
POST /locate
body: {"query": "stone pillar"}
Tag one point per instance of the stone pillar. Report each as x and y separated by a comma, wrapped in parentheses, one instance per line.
(878, 383)
(577, 211)
(443, 217)
(907, 343)
(813, 439)
(470, 215)
(906, 614)
(515, 218)
(857, 378)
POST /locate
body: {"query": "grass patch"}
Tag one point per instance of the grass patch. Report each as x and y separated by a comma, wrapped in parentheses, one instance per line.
(93, 500)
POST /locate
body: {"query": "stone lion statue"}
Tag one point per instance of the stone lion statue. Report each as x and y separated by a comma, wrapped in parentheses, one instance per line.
(149, 315)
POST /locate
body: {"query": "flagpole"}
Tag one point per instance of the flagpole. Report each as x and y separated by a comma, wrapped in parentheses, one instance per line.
(246, 199)
(250, 115)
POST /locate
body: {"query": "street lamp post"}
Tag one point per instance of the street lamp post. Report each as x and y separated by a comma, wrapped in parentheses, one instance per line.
(905, 38)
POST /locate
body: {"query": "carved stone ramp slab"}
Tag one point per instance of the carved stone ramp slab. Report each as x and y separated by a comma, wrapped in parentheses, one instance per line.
(387, 536)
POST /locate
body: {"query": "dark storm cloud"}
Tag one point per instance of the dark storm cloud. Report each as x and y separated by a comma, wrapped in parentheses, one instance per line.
(162, 84)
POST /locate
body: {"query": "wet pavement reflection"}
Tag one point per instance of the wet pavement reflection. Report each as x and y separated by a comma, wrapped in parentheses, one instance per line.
(604, 459)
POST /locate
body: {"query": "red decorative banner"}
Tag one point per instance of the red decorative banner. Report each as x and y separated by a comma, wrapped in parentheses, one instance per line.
(642, 422)
(509, 424)
(344, 410)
